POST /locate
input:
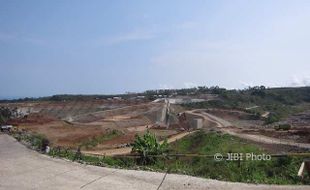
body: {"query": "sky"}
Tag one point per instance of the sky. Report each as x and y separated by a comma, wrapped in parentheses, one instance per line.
(52, 47)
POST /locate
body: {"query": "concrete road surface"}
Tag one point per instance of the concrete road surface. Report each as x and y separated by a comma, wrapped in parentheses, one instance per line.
(21, 168)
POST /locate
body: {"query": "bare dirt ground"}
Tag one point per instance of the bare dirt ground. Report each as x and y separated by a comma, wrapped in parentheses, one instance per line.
(68, 124)
(25, 169)
(229, 128)
(296, 134)
(127, 150)
(300, 131)
(237, 118)
(66, 109)
(64, 125)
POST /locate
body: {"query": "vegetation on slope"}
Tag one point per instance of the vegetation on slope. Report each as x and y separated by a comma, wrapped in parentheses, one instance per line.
(281, 170)
(276, 171)
(147, 147)
(280, 102)
(94, 141)
(5, 114)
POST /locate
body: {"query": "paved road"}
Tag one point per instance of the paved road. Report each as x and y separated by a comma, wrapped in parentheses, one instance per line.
(21, 168)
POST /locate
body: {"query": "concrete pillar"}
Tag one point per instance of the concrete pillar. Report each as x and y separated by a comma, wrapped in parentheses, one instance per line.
(198, 123)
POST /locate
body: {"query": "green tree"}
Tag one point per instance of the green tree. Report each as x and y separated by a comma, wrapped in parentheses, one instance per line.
(5, 114)
(272, 118)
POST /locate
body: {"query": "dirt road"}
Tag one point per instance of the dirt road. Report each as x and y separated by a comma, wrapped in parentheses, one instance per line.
(127, 150)
(178, 136)
(224, 125)
(23, 169)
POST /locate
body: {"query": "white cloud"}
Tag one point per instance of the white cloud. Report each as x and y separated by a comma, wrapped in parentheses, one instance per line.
(301, 81)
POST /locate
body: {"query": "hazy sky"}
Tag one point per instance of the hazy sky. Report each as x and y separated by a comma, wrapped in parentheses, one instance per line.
(101, 47)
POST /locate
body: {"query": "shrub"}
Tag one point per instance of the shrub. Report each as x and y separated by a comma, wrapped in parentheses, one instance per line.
(284, 127)
(5, 114)
(148, 147)
(38, 142)
(272, 118)
(35, 141)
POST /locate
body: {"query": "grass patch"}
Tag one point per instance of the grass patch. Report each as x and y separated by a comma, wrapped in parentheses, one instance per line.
(34, 141)
(92, 160)
(211, 143)
(93, 142)
(275, 171)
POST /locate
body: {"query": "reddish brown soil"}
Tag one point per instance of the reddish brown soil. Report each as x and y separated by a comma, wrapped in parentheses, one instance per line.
(277, 148)
(123, 139)
(62, 134)
(34, 118)
(58, 132)
(301, 135)
(49, 120)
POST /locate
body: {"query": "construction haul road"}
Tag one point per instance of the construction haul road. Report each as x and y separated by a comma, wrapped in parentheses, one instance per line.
(21, 168)
(223, 125)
